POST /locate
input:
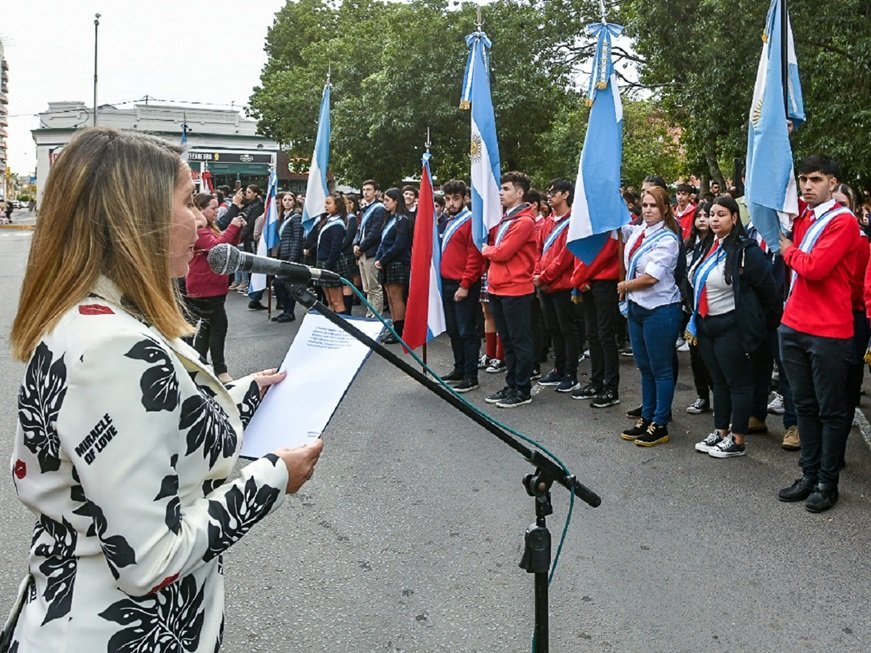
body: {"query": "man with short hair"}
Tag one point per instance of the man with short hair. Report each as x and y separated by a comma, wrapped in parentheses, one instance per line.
(684, 211)
(553, 278)
(817, 329)
(461, 267)
(511, 254)
(410, 195)
(366, 242)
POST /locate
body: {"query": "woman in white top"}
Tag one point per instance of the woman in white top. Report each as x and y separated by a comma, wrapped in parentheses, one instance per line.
(654, 312)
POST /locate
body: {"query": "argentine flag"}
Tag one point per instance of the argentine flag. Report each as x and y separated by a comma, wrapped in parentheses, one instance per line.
(484, 151)
(424, 313)
(269, 235)
(316, 191)
(771, 191)
(598, 207)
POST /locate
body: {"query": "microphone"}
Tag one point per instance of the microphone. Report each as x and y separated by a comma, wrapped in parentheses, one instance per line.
(226, 259)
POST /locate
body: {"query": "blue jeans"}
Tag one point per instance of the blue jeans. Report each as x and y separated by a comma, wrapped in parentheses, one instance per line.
(653, 334)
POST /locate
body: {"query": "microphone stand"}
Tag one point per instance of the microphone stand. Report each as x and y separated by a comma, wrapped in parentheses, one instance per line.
(536, 557)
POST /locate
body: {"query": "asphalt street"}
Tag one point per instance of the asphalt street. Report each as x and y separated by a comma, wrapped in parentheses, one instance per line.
(409, 535)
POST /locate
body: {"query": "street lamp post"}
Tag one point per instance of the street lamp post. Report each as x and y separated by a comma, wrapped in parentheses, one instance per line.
(96, 29)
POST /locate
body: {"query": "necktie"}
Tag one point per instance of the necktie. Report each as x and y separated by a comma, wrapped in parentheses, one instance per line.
(703, 298)
(636, 245)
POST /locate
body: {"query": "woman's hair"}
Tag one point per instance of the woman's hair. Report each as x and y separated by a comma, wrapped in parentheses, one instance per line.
(844, 189)
(355, 202)
(94, 222)
(660, 196)
(695, 235)
(341, 210)
(281, 201)
(730, 243)
(396, 195)
(202, 200)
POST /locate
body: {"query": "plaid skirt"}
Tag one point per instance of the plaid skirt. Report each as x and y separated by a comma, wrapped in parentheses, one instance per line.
(327, 284)
(346, 266)
(395, 273)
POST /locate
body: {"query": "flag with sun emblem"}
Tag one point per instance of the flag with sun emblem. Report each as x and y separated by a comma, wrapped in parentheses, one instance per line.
(771, 191)
(484, 150)
(598, 206)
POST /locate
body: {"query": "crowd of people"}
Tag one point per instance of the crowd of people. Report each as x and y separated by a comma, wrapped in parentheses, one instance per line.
(688, 273)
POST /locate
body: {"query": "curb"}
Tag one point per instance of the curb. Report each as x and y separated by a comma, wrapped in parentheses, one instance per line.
(864, 426)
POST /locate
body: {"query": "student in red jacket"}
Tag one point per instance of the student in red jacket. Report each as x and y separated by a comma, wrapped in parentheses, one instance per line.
(684, 211)
(817, 329)
(553, 278)
(512, 254)
(206, 290)
(461, 266)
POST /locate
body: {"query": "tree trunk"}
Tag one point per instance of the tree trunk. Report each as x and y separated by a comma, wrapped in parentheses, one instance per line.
(714, 167)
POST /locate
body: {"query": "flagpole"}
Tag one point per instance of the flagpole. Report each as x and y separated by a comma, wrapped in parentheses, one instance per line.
(427, 146)
(784, 54)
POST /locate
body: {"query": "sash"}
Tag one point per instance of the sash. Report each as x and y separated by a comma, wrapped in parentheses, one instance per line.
(551, 238)
(368, 213)
(500, 233)
(645, 247)
(388, 228)
(700, 278)
(332, 222)
(453, 226)
(813, 234)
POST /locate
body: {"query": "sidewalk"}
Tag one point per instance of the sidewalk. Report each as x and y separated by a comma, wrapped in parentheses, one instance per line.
(21, 220)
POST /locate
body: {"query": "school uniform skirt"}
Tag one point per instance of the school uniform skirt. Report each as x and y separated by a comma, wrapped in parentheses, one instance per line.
(323, 283)
(395, 273)
(347, 266)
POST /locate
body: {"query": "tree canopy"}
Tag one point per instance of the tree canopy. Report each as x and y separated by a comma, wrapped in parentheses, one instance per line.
(397, 68)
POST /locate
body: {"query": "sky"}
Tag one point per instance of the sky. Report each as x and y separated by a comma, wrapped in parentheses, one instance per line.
(202, 50)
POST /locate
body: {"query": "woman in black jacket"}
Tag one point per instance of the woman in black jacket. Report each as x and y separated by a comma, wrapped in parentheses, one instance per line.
(735, 306)
(348, 263)
(393, 258)
(291, 237)
(325, 241)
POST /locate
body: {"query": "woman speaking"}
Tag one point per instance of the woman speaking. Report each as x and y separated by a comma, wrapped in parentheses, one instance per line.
(125, 439)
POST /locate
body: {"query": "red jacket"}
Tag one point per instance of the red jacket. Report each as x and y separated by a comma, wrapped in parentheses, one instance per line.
(605, 267)
(512, 261)
(556, 264)
(820, 303)
(686, 221)
(201, 281)
(461, 260)
(859, 262)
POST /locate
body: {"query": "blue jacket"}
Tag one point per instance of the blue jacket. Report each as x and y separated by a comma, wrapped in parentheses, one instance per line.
(395, 244)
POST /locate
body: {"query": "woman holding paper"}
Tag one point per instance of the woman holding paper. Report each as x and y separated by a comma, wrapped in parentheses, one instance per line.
(125, 439)
(654, 312)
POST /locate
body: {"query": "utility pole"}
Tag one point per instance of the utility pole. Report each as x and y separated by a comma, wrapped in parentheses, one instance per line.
(96, 33)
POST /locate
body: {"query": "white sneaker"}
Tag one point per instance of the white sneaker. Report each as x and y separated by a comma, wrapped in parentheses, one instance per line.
(709, 442)
(775, 406)
(727, 448)
(682, 345)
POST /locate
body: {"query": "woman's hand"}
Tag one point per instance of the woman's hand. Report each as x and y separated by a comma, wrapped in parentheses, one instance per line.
(267, 378)
(378, 264)
(239, 221)
(300, 463)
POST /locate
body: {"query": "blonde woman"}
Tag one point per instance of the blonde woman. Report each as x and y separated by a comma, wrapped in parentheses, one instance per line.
(125, 438)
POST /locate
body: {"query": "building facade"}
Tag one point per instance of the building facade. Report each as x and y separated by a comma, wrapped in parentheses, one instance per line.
(4, 122)
(220, 142)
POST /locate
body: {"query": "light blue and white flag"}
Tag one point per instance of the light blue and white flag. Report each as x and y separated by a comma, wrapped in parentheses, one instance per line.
(317, 190)
(484, 151)
(269, 235)
(771, 191)
(598, 207)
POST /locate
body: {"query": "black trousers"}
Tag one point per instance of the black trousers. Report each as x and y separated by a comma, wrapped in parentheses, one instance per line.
(817, 368)
(461, 325)
(701, 376)
(601, 312)
(559, 320)
(288, 303)
(212, 332)
(762, 363)
(513, 317)
(730, 369)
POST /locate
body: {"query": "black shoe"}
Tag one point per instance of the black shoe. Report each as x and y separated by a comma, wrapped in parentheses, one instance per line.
(515, 399)
(284, 317)
(636, 431)
(551, 378)
(606, 399)
(389, 339)
(465, 385)
(568, 384)
(498, 396)
(656, 434)
(822, 498)
(536, 374)
(589, 391)
(635, 412)
(256, 306)
(798, 491)
(455, 375)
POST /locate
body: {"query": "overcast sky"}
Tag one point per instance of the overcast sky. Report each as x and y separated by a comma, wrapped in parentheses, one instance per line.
(203, 50)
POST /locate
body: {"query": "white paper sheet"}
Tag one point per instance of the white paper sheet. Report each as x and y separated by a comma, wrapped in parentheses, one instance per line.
(321, 363)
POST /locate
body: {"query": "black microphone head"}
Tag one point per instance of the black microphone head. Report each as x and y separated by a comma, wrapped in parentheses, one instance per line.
(224, 259)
